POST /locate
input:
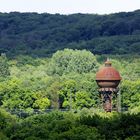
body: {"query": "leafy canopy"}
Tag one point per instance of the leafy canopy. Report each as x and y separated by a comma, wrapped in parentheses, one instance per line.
(68, 60)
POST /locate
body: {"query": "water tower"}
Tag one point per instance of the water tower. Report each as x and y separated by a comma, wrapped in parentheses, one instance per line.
(108, 79)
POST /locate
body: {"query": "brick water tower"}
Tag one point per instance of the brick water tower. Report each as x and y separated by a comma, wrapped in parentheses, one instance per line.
(108, 79)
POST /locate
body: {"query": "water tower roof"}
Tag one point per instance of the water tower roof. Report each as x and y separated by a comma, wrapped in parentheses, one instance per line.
(108, 72)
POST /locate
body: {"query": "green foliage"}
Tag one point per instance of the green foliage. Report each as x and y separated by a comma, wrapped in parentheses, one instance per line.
(7, 121)
(30, 85)
(68, 125)
(117, 126)
(15, 96)
(82, 132)
(67, 93)
(64, 62)
(4, 67)
(135, 110)
(28, 33)
(30, 90)
(3, 137)
(42, 103)
(131, 93)
(84, 99)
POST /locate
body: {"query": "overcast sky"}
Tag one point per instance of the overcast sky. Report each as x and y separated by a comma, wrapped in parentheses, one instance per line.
(69, 6)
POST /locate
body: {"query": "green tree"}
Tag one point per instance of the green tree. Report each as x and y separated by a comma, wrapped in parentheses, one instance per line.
(68, 60)
(42, 103)
(4, 66)
(67, 93)
(130, 93)
(83, 99)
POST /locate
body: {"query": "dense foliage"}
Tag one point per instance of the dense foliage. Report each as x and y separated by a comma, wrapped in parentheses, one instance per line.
(43, 34)
(33, 87)
(64, 81)
(68, 61)
(84, 125)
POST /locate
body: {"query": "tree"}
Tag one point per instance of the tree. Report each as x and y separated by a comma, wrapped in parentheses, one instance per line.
(130, 91)
(4, 66)
(67, 93)
(83, 99)
(68, 60)
(42, 103)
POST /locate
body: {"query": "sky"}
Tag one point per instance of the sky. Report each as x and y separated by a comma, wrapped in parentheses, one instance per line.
(69, 6)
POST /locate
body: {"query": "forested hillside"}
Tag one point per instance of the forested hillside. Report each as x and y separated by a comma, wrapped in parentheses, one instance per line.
(43, 34)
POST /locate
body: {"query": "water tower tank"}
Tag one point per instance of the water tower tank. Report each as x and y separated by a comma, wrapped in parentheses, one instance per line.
(108, 77)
